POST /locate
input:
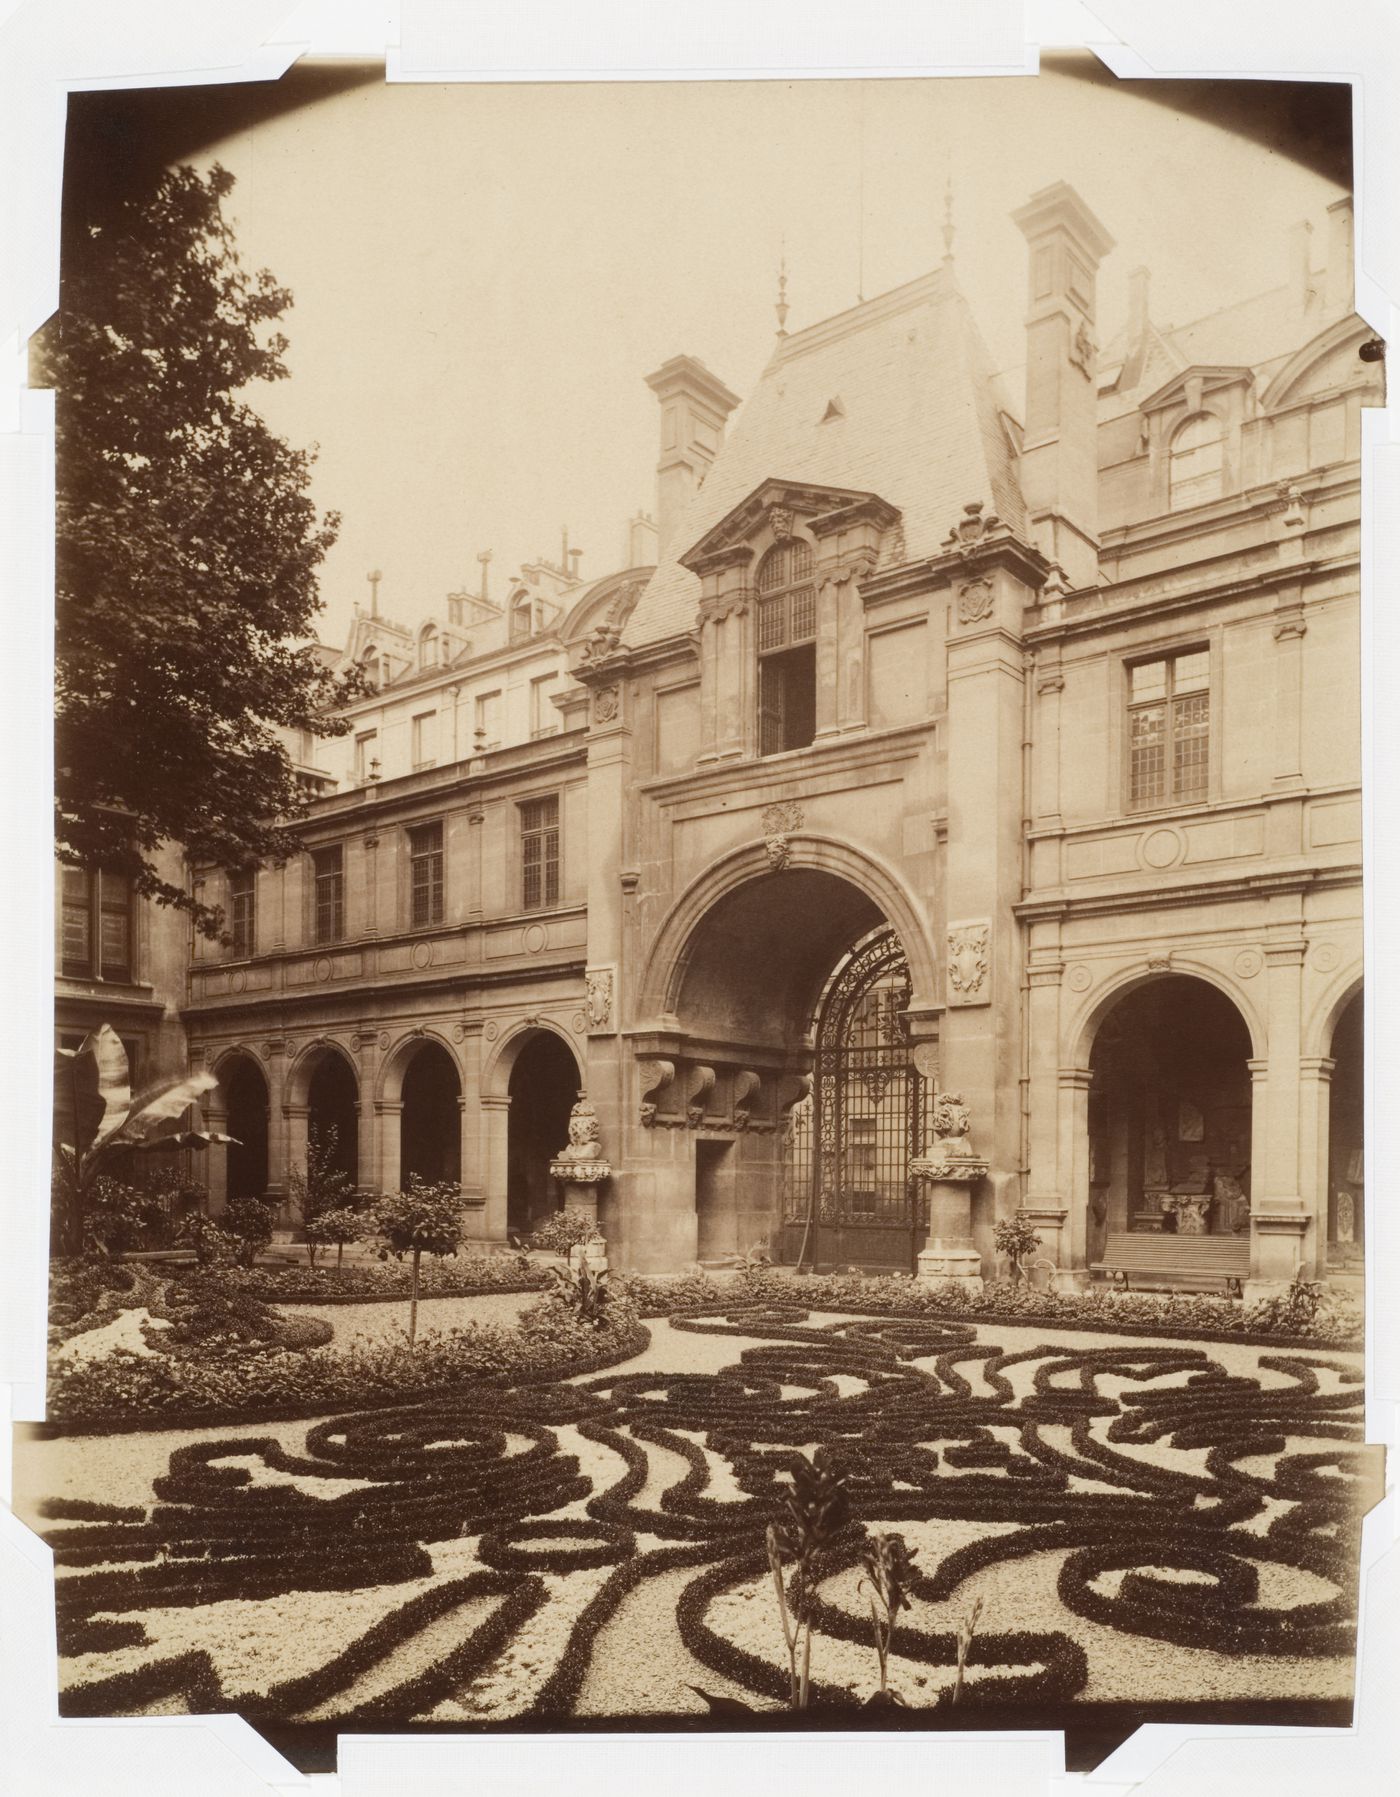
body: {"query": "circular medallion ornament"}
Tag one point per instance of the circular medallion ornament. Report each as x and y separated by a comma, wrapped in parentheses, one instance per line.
(422, 954)
(1248, 962)
(459, 1032)
(491, 1030)
(1326, 956)
(384, 1038)
(323, 968)
(237, 980)
(580, 1023)
(1079, 978)
(535, 938)
(926, 1059)
(268, 1050)
(1161, 848)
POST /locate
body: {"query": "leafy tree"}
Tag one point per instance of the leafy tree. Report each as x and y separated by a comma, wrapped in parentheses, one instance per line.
(187, 548)
(324, 1187)
(424, 1219)
(337, 1226)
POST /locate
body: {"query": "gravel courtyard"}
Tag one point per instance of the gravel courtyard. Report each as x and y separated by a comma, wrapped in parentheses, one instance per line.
(1143, 1521)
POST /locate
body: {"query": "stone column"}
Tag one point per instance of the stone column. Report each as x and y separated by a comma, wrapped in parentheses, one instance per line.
(277, 1152)
(495, 1161)
(296, 1118)
(1045, 1200)
(215, 1119)
(829, 592)
(388, 1123)
(1279, 1218)
(1315, 1128)
(1074, 1085)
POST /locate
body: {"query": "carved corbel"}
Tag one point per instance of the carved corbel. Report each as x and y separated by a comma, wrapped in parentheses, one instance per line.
(700, 1082)
(746, 1086)
(653, 1077)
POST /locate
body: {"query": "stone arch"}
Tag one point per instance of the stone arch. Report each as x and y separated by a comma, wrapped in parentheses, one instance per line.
(298, 1079)
(244, 1099)
(1169, 1118)
(675, 941)
(500, 1063)
(1326, 1011)
(388, 1086)
(1085, 1023)
(1340, 341)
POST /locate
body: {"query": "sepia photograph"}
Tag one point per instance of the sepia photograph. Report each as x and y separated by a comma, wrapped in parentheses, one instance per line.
(709, 1004)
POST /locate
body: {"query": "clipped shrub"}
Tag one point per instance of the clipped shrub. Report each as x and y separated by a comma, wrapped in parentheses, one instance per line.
(563, 1230)
(249, 1222)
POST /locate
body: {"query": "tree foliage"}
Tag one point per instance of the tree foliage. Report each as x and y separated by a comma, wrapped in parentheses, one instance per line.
(187, 548)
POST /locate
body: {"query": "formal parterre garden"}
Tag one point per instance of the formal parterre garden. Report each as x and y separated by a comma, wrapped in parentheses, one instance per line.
(696, 1499)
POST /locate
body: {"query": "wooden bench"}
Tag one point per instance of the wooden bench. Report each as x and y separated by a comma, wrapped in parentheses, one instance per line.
(1192, 1262)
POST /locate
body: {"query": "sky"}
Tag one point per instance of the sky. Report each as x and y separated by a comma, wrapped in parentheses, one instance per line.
(483, 275)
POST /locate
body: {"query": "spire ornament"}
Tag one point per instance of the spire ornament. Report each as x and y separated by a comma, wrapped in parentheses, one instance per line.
(781, 308)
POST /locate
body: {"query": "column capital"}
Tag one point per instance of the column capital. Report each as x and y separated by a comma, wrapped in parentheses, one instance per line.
(1319, 1067)
(1076, 1078)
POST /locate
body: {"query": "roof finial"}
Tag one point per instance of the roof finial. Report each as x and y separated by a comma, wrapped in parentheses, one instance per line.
(948, 221)
(374, 579)
(782, 306)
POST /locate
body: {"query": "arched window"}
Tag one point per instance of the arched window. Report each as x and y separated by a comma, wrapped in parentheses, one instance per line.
(787, 648)
(1196, 462)
(428, 647)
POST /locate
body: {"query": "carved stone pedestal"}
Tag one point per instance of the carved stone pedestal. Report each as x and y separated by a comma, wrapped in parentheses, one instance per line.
(581, 1169)
(950, 1253)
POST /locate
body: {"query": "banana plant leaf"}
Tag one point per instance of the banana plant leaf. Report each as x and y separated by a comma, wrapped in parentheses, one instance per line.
(186, 1138)
(91, 1091)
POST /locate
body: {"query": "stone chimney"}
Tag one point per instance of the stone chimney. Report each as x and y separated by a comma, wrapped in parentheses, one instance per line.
(1341, 285)
(641, 542)
(1059, 457)
(694, 407)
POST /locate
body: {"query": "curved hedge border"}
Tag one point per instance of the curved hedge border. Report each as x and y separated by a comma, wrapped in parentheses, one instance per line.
(614, 1348)
(912, 1442)
(820, 1292)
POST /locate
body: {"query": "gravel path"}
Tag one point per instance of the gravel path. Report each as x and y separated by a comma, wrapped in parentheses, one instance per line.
(389, 1322)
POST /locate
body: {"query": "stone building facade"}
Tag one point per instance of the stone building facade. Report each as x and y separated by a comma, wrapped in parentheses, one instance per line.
(953, 744)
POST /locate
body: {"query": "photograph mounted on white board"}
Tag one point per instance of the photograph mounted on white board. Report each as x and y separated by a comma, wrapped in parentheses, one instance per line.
(709, 1036)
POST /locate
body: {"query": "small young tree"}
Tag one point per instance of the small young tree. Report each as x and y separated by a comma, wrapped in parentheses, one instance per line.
(324, 1186)
(249, 1221)
(337, 1226)
(424, 1219)
(1015, 1237)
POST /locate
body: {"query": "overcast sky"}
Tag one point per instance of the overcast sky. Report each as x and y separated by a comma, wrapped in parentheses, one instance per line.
(484, 274)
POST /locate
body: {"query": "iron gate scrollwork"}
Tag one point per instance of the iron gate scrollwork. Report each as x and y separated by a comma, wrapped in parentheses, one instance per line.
(847, 1195)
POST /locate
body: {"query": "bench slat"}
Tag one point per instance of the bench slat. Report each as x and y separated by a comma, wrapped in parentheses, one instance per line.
(1185, 1259)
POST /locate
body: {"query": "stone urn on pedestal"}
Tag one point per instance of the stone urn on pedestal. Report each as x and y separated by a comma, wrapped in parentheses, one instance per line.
(581, 1168)
(950, 1170)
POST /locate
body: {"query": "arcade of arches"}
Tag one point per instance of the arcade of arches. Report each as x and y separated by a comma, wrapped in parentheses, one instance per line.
(783, 1090)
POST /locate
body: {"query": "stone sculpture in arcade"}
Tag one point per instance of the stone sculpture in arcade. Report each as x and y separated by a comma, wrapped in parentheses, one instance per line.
(581, 1167)
(950, 1170)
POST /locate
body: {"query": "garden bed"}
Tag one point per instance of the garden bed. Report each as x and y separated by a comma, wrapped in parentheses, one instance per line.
(1151, 1525)
(1334, 1322)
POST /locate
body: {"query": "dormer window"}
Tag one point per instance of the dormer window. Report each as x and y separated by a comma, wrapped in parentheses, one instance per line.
(787, 649)
(522, 617)
(373, 671)
(1196, 466)
(428, 647)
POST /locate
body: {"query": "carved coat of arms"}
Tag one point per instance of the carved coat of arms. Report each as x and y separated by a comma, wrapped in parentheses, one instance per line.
(598, 997)
(968, 950)
(778, 823)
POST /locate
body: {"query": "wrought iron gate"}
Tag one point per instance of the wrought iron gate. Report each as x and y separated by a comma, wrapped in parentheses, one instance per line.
(847, 1197)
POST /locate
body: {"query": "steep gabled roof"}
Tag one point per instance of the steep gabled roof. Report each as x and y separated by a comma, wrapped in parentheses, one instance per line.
(920, 423)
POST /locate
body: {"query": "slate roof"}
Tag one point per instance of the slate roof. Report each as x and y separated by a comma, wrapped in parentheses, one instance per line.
(920, 424)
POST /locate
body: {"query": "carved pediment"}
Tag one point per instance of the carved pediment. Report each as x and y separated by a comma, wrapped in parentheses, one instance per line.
(1191, 384)
(775, 504)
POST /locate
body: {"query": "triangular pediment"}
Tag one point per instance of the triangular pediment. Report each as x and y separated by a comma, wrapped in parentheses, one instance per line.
(799, 499)
(1203, 377)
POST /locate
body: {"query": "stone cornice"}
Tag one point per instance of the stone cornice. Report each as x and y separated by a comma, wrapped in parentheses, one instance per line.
(1057, 906)
(1131, 608)
(1120, 823)
(855, 750)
